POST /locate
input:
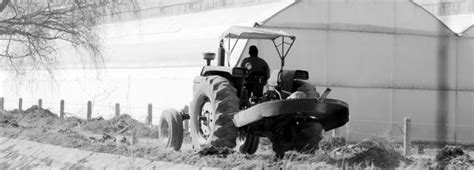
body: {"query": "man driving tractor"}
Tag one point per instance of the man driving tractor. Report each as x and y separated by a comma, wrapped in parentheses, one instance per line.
(259, 72)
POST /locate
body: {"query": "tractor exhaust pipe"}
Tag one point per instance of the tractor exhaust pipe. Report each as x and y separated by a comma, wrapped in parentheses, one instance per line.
(221, 54)
(322, 99)
(321, 106)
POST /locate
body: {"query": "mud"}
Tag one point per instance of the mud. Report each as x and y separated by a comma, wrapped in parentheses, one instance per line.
(107, 136)
(123, 124)
(219, 152)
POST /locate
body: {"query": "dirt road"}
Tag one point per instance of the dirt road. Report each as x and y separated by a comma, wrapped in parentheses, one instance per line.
(21, 154)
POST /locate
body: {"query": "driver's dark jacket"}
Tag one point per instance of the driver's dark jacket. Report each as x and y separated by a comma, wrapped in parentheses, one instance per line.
(259, 66)
(258, 74)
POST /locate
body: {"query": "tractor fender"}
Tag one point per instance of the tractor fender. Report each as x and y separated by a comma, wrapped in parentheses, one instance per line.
(226, 72)
(331, 114)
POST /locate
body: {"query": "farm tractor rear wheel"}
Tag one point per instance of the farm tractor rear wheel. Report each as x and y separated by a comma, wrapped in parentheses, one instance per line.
(215, 101)
(302, 136)
(309, 131)
(171, 129)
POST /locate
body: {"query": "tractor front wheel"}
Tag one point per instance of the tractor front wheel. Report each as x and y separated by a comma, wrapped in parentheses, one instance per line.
(171, 129)
(247, 143)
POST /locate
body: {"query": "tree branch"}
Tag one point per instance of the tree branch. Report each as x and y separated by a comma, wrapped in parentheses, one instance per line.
(29, 31)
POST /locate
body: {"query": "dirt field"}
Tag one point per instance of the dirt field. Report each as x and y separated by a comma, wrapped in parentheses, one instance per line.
(125, 136)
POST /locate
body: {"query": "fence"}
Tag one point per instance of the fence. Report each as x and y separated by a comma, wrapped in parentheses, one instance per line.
(89, 110)
(405, 127)
(407, 132)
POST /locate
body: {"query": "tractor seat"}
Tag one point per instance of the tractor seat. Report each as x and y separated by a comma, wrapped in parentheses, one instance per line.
(286, 85)
(273, 80)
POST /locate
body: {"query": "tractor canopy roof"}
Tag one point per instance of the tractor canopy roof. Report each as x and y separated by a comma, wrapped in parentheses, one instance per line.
(283, 46)
(240, 32)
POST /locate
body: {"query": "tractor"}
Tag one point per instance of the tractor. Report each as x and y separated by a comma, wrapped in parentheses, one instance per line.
(225, 113)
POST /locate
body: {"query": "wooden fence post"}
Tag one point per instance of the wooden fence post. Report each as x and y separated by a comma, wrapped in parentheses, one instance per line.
(186, 125)
(150, 114)
(335, 132)
(406, 136)
(20, 104)
(117, 109)
(40, 103)
(2, 102)
(61, 109)
(185, 111)
(89, 110)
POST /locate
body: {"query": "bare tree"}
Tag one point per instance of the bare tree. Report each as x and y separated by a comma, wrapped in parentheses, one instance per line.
(30, 30)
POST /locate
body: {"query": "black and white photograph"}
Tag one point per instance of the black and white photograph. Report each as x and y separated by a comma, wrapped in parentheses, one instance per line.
(236, 84)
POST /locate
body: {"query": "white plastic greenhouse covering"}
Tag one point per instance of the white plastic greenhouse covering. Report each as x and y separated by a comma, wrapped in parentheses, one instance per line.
(457, 15)
(458, 23)
(389, 59)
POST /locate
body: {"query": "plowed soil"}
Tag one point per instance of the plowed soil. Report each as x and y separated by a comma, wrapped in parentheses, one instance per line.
(123, 135)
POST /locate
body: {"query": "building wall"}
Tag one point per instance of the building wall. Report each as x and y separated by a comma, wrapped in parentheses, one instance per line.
(389, 60)
(465, 81)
